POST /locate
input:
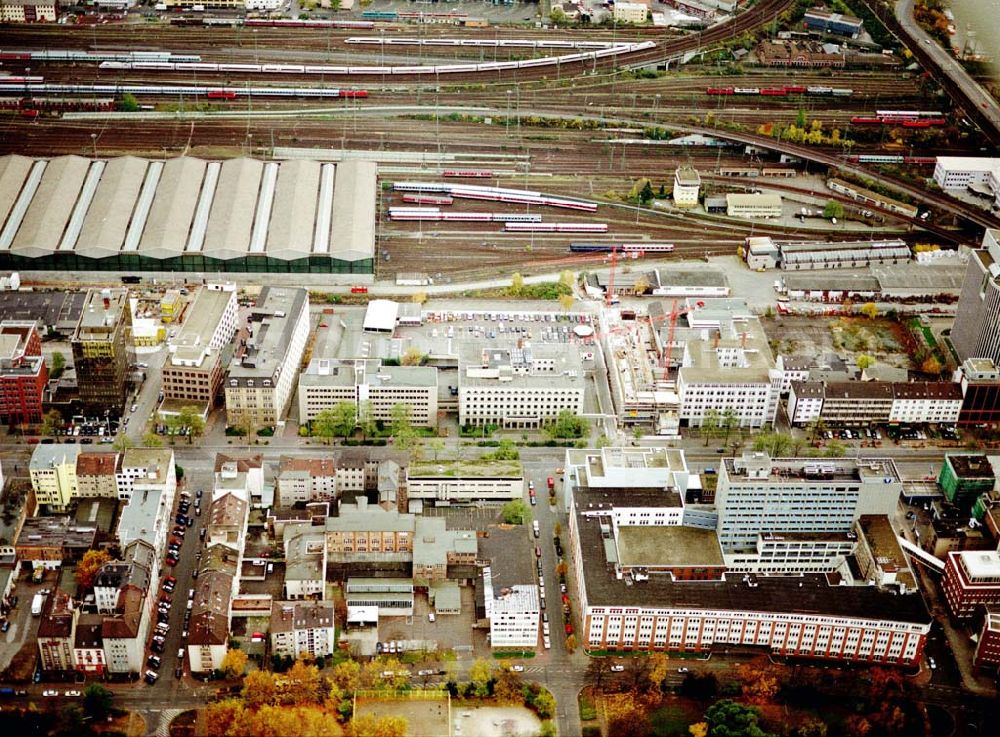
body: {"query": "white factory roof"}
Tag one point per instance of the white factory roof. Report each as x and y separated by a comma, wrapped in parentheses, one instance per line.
(187, 206)
(968, 163)
(381, 316)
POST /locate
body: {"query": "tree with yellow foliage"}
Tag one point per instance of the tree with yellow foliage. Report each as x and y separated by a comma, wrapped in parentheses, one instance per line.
(509, 688)
(625, 716)
(369, 725)
(258, 689)
(698, 729)
(89, 566)
(301, 684)
(234, 663)
(346, 675)
(221, 715)
(659, 666)
(479, 675)
(759, 681)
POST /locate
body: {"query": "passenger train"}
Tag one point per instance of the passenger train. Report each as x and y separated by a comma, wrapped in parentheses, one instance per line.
(211, 92)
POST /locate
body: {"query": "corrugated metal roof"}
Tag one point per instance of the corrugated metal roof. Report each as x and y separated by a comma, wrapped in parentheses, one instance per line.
(264, 205)
(324, 210)
(13, 171)
(209, 186)
(143, 206)
(169, 220)
(106, 224)
(231, 220)
(293, 216)
(353, 228)
(50, 208)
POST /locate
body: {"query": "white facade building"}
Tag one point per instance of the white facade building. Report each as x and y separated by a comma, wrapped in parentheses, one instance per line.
(307, 480)
(959, 172)
(299, 628)
(148, 480)
(372, 387)
(630, 13)
(447, 482)
(756, 493)
(519, 387)
(513, 612)
(687, 183)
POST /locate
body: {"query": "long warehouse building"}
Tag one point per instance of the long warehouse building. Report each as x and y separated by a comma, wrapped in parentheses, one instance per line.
(134, 215)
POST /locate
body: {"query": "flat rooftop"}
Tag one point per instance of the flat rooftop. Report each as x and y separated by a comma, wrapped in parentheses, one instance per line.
(755, 468)
(831, 282)
(58, 309)
(806, 594)
(669, 546)
(706, 277)
(970, 465)
(102, 311)
(274, 320)
(591, 498)
(511, 561)
(471, 468)
(194, 339)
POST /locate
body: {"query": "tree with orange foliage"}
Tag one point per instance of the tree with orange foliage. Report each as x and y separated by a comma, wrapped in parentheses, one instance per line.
(301, 685)
(258, 689)
(698, 729)
(625, 715)
(89, 566)
(221, 716)
(347, 676)
(369, 725)
(759, 681)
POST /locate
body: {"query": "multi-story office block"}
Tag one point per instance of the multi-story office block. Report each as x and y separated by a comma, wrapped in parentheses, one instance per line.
(972, 582)
(374, 389)
(980, 382)
(23, 373)
(53, 474)
(757, 493)
(518, 387)
(976, 332)
(965, 477)
(463, 482)
(198, 356)
(102, 350)
(262, 377)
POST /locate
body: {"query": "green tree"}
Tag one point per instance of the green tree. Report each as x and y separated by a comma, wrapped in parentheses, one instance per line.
(567, 425)
(58, 365)
(129, 103)
(340, 419)
(514, 512)
(545, 704)
(516, 284)
(646, 194)
(51, 422)
(506, 451)
(816, 428)
(402, 425)
(710, 424)
(366, 419)
(800, 118)
(151, 440)
(865, 361)
(436, 445)
(835, 449)
(190, 417)
(730, 421)
(122, 443)
(97, 701)
(833, 209)
(728, 719)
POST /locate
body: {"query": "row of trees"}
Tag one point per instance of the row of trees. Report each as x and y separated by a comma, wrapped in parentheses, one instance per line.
(344, 418)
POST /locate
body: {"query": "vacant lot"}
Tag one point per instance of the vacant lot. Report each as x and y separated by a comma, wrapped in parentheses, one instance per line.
(424, 718)
(882, 339)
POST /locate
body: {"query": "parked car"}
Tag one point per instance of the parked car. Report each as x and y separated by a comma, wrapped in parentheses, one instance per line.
(617, 668)
(151, 676)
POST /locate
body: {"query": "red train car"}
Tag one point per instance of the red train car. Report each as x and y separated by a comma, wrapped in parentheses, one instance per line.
(719, 91)
(359, 290)
(354, 93)
(773, 91)
(797, 89)
(858, 120)
(221, 95)
(468, 173)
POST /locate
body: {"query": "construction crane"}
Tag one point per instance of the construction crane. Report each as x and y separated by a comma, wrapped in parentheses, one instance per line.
(609, 294)
(672, 318)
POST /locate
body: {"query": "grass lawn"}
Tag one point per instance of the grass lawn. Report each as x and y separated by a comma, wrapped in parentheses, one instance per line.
(674, 716)
(588, 710)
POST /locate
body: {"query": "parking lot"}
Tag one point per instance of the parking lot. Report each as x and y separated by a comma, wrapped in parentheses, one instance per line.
(450, 631)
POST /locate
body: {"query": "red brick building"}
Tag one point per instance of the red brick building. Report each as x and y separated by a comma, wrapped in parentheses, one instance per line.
(972, 582)
(23, 373)
(988, 647)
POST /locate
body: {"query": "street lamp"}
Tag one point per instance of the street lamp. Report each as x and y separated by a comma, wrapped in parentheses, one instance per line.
(93, 142)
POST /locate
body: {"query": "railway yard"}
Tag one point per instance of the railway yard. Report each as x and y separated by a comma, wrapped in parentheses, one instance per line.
(583, 116)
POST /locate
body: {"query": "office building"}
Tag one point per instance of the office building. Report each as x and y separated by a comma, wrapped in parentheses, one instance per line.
(148, 481)
(685, 603)
(53, 474)
(726, 367)
(374, 389)
(263, 373)
(630, 12)
(980, 382)
(200, 353)
(302, 628)
(971, 582)
(687, 183)
(23, 373)
(243, 477)
(518, 387)
(614, 467)
(965, 477)
(102, 350)
(976, 332)
(513, 611)
(987, 655)
(865, 403)
(961, 172)
(757, 493)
